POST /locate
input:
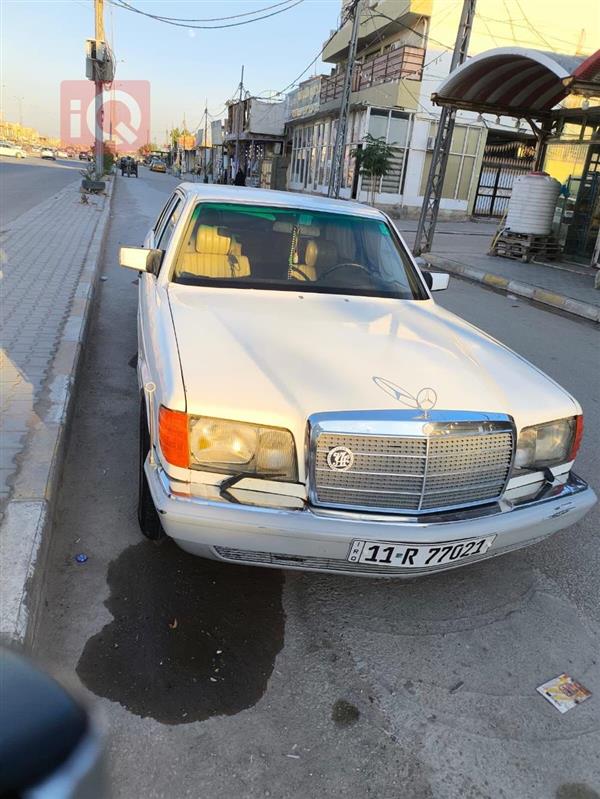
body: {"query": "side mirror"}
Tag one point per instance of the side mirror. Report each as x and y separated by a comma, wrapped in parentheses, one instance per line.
(140, 259)
(49, 744)
(436, 281)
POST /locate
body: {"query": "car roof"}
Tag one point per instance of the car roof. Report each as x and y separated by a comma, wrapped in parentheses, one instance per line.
(217, 192)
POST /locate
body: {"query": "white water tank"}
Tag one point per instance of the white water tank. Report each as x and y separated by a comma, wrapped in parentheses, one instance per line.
(532, 203)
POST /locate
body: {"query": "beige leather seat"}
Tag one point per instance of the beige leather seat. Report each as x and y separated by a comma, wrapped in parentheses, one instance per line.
(318, 257)
(215, 256)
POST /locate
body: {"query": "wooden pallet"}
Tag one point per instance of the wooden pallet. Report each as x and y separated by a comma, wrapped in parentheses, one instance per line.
(524, 247)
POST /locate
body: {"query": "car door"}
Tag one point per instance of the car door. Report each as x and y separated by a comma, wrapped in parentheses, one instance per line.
(148, 333)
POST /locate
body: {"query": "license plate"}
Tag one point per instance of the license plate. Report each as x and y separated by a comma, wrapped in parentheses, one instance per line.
(417, 556)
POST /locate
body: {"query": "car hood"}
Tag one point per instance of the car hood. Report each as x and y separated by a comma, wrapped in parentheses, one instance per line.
(276, 357)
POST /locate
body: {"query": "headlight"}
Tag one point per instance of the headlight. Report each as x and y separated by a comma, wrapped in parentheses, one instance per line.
(549, 444)
(220, 445)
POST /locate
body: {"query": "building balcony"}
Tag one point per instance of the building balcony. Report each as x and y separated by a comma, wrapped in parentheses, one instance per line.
(390, 67)
(378, 21)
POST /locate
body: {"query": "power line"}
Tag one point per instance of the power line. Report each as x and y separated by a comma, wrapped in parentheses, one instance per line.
(487, 27)
(166, 21)
(221, 19)
(305, 70)
(408, 28)
(514, 24)
(531, 27)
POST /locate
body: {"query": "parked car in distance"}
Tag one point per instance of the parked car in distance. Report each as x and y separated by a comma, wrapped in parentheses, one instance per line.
(156, 165)
(62, 154)
(48, 153)
(304, 402)
(84, 157)
(12, 150)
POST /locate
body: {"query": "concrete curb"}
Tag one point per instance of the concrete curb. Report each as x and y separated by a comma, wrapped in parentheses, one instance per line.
(27, 524)
(568, 304)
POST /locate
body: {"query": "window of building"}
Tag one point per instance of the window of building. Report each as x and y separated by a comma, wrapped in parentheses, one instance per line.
(394, 127)
(461, 161)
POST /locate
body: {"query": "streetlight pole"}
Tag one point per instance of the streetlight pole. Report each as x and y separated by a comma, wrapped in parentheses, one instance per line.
(98, 127)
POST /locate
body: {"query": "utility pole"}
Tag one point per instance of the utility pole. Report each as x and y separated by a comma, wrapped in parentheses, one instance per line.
(335, 175)
(20, 101)
(205, 141)
(98, 127)
(239, 120)
(443, 140)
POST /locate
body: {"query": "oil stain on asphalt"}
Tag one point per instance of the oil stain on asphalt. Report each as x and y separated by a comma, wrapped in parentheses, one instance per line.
(190, 638)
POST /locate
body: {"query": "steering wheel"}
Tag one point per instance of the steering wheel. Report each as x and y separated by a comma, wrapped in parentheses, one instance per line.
(293, 268)
(335, 268)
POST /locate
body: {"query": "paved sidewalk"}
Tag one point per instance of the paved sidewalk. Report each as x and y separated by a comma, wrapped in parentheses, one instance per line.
(48, 266)
(461, 248)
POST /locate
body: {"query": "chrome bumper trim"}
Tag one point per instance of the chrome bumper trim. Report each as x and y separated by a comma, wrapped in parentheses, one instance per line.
(549, 492)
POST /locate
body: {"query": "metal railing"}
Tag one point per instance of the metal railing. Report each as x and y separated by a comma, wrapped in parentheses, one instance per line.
(405, 62)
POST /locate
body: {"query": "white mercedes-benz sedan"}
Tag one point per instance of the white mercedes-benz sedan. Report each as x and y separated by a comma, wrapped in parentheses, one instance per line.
(304, 403)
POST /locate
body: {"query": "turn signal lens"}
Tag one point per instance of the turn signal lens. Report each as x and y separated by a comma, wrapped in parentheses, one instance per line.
(173, 437)
(577, 437)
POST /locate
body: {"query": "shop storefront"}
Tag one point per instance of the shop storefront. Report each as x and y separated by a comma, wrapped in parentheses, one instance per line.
(559, 96)
(573, 157)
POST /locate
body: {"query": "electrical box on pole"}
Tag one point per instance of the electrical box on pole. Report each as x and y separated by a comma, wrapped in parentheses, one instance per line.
(335, 176)
(441, 148)
(99, 63)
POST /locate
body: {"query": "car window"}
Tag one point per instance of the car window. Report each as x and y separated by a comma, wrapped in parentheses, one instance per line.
(236, 245)
(170, 224)
(163, 214)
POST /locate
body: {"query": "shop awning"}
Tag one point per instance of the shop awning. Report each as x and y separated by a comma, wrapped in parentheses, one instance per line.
(519, 82)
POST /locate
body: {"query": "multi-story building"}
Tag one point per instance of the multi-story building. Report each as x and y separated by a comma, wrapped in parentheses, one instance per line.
(258, 126)
(404, 51)
(392, 40)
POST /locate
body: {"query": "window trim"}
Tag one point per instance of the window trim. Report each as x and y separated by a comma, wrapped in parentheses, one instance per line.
(158, 239)
(163, 213)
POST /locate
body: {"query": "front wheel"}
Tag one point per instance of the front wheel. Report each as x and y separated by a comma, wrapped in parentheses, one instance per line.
(148, 517)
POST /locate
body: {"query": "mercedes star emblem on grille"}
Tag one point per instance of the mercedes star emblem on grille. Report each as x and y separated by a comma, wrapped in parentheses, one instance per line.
(425, 400)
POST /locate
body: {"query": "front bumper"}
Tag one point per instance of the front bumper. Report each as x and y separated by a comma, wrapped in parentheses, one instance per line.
(314, 539)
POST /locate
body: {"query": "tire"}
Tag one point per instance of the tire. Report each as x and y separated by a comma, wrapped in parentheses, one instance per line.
(148, 517)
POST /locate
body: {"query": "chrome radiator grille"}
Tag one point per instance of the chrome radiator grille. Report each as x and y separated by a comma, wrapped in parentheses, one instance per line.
(459, 464)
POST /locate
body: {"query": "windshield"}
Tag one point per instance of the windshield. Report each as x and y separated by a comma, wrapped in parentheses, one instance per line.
(256, 246)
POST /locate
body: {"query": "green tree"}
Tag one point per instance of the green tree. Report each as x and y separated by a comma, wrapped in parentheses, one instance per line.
(146, 149)
(374, 159)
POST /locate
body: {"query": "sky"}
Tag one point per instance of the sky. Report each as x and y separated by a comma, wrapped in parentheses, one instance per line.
(42, 43)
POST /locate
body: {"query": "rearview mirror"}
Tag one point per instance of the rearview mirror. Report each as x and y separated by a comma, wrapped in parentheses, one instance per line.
(140, 259)
(437, 281)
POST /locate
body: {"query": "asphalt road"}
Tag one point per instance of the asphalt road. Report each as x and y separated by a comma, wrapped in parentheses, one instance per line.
(225, 681)
(25, 182)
